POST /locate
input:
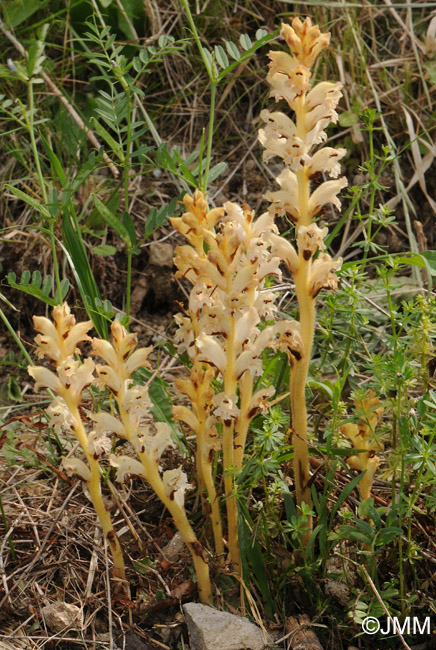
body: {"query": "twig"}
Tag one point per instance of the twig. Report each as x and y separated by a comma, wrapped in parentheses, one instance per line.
(43, 545)
(380, 600)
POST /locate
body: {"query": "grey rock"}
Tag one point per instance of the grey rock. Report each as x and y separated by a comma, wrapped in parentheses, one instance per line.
(62, 616)
(210, 629)
(175, 547)
(160, 254)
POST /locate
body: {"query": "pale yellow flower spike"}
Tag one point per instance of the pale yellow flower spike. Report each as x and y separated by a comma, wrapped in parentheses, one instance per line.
(361, 435)
(293, 140)
(58, 339)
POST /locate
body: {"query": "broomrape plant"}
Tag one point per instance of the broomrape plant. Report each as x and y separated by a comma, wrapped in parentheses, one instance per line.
(229, 322)
(293, 142)
(221, 330)
(58, 340)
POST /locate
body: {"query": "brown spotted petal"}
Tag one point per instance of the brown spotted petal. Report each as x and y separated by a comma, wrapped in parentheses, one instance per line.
(122, 341)
(76, 466)
(211, 351)
(279, 137)
(45, 378)
(176, 483)
(289, 338)
(326, 193)
(260, 401)
(98, 443)
(326, 160)
(287, 77)
(76, 377)
(60, 415)
(285, 201)
(161, 440)
(226, 406)
(283, 249)
(310, 239)
(106, 376)
(323, 274)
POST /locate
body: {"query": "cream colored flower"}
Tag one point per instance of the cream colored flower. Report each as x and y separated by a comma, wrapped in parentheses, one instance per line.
(289, 338)
(59, 339)
(310, 239)
(76, 466)
(176, 483)
(226, 407)
(107, 376)
(211, 351)
(326, 160)
(246, 327)
(60, 415)
(45, 378)
(326, 193)
(249, 361)
(107, 423)
(98, 443)
(137, 401)
(323, 275)
(279, 137)
(106, 351)
(304, 40)
(260, 401)
(76, 377)
(197, 221)
(184, 337)
(287, 77)
(285, 251)
(285, 201)
(122, 341)
(126, 466)
(161, 440)
(138, 359)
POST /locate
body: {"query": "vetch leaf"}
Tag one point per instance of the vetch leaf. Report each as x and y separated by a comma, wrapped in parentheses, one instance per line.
(104, 250)
(245, 41)
(233, 51)
(221, 56)
(216, 170)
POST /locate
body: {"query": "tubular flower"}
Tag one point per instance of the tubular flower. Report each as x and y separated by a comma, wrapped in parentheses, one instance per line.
(176, 483)
(59, 339)
(304, 40)
(197, 223)
(76, 466)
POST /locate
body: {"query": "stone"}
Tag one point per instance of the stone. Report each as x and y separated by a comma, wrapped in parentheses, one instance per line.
(61, 616)
(160, 254)
(210, 629)
(175, 547)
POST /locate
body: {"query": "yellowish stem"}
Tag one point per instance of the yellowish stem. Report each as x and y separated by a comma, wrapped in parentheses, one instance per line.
(94, 487)
(229, 455)
(307, 323)
(177, 511)
(204, 461)
(184, 527)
